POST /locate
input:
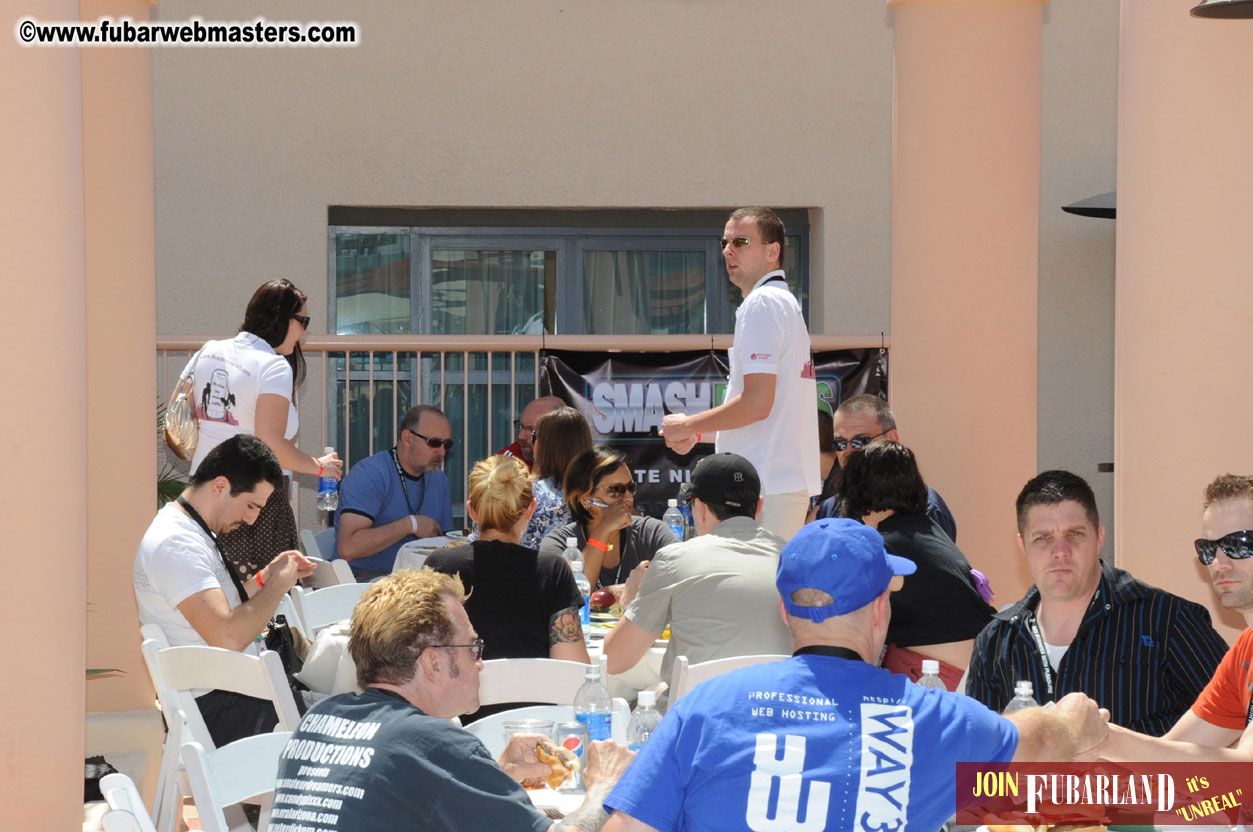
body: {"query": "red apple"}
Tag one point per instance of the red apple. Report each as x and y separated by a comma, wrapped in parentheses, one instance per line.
(602, 599)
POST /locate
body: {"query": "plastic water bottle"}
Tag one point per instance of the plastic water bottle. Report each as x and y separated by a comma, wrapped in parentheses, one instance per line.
(673, 518)
(643, 721)
(572, 551)
(686, 510)
(592, 706)
(585, 589)
(931, 675)
(328, 490)
(1024, 697)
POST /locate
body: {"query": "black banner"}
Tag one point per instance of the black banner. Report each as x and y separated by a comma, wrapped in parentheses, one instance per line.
(624, 397)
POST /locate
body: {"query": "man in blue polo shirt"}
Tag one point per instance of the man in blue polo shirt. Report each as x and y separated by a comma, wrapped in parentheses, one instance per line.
(825, 735)
(396, 495)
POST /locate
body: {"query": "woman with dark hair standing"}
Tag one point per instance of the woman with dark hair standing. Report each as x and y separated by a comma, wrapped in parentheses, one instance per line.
(248, 384)
(565, 435)
(600, 493)
(942, 606)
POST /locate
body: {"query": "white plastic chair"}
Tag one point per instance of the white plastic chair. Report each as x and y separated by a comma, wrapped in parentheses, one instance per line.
(328, 573)
(287, 608)
(176, 672)
(244, 770)
(491, 729)
(318, 544)
(530, 680)
(126, 808)
(684, 676)
(319, 608)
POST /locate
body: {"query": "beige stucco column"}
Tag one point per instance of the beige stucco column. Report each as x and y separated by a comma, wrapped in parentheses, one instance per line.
(43, 522)
(120, 358)
(1184, 319)
(965, 196)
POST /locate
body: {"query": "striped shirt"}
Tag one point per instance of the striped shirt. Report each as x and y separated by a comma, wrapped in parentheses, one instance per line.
(1141, 652)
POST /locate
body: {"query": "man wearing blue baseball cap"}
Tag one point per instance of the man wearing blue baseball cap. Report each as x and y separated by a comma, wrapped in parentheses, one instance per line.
(826, 740)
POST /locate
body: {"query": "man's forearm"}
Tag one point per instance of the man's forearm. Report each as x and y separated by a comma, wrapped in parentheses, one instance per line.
(591, 814)
(1124, 745)
(731, 414)
(1044, 736)
(371, 540)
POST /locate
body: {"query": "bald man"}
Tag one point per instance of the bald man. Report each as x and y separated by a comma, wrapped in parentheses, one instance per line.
(521, 447)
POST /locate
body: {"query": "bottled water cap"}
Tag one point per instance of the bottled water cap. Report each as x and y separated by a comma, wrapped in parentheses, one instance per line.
(572, 541)
(672, 503)
(930, 666)
(646, 699)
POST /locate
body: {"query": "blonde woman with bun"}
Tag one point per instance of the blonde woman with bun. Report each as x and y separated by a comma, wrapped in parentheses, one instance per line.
(523, 604)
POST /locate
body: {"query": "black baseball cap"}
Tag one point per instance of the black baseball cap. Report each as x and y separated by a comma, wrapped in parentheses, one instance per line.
(726, 479)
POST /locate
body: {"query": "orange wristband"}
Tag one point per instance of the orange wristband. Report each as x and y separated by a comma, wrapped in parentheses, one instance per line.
(260, 580)
(604, 547)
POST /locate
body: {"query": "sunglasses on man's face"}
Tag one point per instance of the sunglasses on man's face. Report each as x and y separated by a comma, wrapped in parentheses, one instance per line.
(738, 242)
(1237, 546)
(435, 443)
(857, 442)
(303, 320)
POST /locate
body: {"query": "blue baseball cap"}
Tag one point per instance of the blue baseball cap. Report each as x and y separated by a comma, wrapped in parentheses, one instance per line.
(844, 559)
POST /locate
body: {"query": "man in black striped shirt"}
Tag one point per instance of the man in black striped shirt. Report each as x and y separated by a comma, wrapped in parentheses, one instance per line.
(1086, 626)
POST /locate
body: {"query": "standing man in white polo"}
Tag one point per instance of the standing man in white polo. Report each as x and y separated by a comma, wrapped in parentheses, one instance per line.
(770, 415)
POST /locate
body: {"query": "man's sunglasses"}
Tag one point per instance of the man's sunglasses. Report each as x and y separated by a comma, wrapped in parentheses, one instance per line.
(858, 442)
(738, 242)
(303, 320)
(476, 649)
(1237, 546)
(435, 443)
(616, 491)
(518, 427)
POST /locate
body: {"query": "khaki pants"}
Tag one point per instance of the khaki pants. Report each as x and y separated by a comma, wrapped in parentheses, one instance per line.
(784, 514)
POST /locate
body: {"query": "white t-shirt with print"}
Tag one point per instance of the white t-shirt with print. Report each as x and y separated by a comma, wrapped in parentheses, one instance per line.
(770, 337)
(175, 560)
(229, 377)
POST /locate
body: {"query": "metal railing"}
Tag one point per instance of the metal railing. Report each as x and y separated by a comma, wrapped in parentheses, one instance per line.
(358, 387)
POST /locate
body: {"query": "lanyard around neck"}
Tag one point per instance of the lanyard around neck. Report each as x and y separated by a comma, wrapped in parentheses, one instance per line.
(829, 650)
(400, 472)
(195, 515)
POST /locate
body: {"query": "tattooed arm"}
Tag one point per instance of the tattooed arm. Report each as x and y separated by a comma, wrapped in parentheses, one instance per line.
(565, 637)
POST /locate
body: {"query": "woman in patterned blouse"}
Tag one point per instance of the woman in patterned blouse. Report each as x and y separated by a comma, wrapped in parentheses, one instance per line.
(559, 437)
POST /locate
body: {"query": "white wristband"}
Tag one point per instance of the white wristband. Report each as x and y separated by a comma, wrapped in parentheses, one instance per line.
(413, 521)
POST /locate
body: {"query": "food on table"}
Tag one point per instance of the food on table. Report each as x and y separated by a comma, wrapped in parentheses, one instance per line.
(602, 599)
(562, 760)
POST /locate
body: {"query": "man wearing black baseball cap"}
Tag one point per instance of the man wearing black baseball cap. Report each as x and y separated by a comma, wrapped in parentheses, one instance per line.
(716, 591)
(824, 739)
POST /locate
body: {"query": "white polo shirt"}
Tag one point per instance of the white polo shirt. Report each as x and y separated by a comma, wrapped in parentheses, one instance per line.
(770, 337)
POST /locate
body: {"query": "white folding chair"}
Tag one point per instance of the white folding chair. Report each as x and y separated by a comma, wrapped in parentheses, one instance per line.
(177, 672)
(245, 770)
(319, 608)
(287, 608)
(491, 729)
(318, 544)
(530, 680)
(126, 808)
(684, 676)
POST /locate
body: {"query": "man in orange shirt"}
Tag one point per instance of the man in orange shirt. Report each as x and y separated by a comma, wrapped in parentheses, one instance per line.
(1217, 728)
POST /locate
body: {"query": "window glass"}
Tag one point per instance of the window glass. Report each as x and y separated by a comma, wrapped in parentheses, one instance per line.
(490, 292)
(372, 295)
(644, 292)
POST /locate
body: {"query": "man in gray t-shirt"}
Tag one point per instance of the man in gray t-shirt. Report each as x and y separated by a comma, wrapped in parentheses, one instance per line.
(716, 591)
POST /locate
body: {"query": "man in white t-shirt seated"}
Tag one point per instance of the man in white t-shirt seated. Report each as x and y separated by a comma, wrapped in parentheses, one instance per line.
(182, 583)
